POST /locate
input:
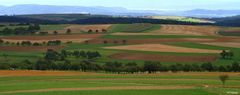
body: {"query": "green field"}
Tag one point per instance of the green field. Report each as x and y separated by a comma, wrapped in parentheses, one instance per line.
(133, 28)
(34, 83)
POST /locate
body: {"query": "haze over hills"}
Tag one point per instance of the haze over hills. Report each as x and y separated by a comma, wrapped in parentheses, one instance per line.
(53, 9)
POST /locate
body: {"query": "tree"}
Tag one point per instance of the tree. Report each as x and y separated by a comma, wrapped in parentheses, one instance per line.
(1, 41)
(223, 54)
(131, 67)
(151, 67)
(86, 42)
(104, 30)
(68, 31)
(223, 79)
(227, 54)
(124, 41)
(208, 67)
(90, 31)
(52, 55)
(97, 31)
(235, 67)
(115, 42)
(55, 32)
(105, 41)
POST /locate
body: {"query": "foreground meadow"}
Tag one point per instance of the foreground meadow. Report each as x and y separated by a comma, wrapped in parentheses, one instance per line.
(72, 83)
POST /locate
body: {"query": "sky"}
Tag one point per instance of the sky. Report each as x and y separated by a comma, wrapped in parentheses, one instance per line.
(137, 4)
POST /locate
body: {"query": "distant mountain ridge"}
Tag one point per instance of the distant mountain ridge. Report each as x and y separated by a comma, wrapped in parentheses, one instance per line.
(52, 9)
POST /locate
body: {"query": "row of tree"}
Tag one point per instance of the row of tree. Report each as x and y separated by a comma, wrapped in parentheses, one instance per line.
(52, 55)
(51, 62)
(29, 43)
(31, 29)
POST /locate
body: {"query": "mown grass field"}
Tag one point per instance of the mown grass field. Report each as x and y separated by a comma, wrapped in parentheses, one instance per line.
(133, 28)
(98, 84)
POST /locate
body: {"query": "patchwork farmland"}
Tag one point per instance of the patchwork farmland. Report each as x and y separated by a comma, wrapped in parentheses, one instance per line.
(118, 59)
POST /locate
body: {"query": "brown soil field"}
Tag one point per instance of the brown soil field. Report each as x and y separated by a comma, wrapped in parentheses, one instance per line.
(187, 30)
(29, 48)
(231, 29)
(59, 37)
(163, 58)
(41, 41)
(225, 44)
(105, 88)
(162, 40)
(88, 27)
(7, 73)
(64, 38)
(162, 48)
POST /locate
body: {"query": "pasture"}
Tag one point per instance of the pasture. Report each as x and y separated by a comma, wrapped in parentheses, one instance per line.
(71, 83)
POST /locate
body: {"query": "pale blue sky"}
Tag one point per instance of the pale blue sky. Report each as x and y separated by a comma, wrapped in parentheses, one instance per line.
(137, 4)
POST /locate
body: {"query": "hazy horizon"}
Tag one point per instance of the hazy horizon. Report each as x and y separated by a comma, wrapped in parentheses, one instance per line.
(137, 4)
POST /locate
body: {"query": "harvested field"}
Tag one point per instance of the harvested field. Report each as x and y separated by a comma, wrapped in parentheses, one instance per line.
(162, 48)
(163, 58)
(5, 73)
(81, 28)
(187, 30)
(106, 88)
(64, 38)
(85, 28)
(29, 48)
(225, 44)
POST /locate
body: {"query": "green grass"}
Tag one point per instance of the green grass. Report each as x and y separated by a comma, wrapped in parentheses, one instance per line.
(229, 33)
(125, 92)
(134, 28)
(114, 80)
(53, 27)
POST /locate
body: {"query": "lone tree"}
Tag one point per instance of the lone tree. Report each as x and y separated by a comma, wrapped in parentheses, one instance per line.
(90, 31)
(86, 42)
(223, 79)
(227, 54)
(68, 31)
(104, 31)
(97, 31)
(124, 41)
(55, 32)
(105, 41)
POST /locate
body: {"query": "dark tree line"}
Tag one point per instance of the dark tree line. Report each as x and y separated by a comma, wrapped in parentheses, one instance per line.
(57, 61)
(52, 55)
(97, 20)
(29, 43)
(31, 29)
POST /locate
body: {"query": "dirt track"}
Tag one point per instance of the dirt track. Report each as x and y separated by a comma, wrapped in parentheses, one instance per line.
(163, 58)
(29, 48)
(104, 88)
(52, 37)
(40, 73)
(162, 48)
(88, 27)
